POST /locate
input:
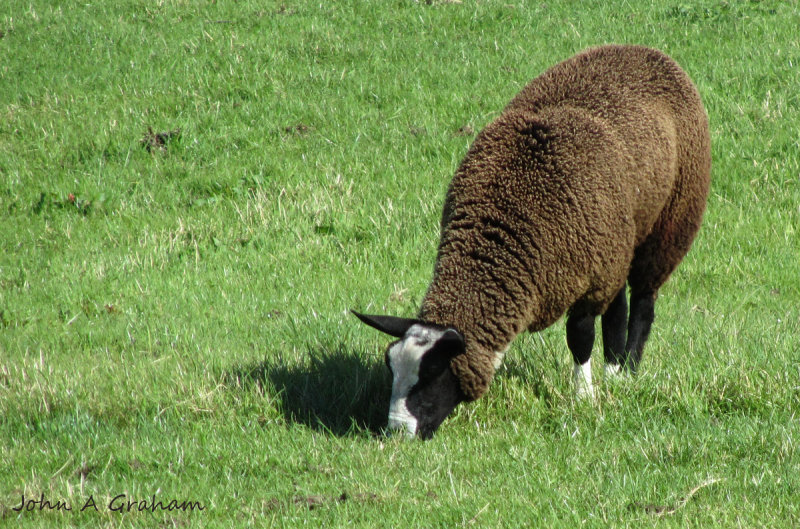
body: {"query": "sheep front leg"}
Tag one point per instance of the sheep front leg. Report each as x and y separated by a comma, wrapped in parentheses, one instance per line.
(580, 339)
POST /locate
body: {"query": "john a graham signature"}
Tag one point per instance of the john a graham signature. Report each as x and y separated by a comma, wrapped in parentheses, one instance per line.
(120, 503)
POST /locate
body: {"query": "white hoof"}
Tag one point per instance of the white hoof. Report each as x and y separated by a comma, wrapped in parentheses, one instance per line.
(582, 376)
(612, 370)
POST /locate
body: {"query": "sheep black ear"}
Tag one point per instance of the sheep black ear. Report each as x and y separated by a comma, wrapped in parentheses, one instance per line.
(437, 359)
(391, 325)
(452, 342)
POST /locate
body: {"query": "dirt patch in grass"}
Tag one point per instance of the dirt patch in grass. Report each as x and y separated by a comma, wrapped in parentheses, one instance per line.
(83, 472)
(49, 201)
(666, 510)
(287, 11)
(317, 501)
(298, 129)
(158, 141)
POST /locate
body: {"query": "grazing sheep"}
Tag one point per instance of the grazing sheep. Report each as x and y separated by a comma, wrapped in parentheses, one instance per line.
(595, 174)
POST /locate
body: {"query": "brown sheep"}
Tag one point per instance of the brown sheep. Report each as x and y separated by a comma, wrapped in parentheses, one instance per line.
(595, 174)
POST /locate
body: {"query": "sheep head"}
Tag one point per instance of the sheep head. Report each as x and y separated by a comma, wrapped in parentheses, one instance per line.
(424, 389)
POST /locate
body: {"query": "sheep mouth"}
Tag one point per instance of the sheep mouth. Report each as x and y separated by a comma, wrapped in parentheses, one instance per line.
(402, 421)
(426, 433)
(410, 430)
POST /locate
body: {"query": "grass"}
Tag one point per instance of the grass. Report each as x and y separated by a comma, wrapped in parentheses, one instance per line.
(173, 309)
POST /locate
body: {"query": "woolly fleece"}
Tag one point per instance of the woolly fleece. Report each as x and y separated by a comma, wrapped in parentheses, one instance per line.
(596, 173)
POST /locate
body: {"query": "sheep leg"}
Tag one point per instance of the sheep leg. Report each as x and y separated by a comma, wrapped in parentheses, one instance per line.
(641, 319)
(614, 323)
(580, 339)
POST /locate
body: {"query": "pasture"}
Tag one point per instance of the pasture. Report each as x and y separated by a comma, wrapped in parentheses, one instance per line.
(194, 194)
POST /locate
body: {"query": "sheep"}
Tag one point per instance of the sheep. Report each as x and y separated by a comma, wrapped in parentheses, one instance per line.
(594, 175)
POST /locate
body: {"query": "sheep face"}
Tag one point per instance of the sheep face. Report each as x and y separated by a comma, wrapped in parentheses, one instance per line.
(424, 389)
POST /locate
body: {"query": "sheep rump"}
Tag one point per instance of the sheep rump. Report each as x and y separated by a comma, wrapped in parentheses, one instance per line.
(595, 174)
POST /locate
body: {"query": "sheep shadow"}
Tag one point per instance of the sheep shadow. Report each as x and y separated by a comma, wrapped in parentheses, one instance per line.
(336, 391)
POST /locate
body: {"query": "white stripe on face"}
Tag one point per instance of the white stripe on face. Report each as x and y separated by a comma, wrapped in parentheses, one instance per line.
(405, 357)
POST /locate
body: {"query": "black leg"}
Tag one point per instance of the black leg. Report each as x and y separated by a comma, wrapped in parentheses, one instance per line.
(580, 337)
(614, 323)
(642, 314)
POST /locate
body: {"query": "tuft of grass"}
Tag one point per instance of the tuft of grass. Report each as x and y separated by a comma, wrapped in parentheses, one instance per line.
(194, 194)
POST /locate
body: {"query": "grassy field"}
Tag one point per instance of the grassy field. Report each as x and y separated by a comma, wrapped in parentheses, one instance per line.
(193, 194)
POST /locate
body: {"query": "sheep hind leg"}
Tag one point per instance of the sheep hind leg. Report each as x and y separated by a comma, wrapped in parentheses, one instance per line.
(614, 324)
(641, 319)
(580, 339)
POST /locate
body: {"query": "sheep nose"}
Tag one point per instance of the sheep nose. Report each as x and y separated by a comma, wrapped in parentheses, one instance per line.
(402, 425)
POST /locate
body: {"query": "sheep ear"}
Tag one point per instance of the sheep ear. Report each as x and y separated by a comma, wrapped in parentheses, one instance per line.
(391, 325)
(437, 359)
(448, 346)
(452, 342)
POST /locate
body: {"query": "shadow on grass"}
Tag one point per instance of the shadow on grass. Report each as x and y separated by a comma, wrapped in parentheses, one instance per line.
(337, 391)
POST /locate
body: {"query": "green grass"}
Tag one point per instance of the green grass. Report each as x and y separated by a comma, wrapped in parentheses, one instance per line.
(174, 322)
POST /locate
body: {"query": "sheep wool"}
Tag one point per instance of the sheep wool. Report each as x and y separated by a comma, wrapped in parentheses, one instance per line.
(595, 174)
